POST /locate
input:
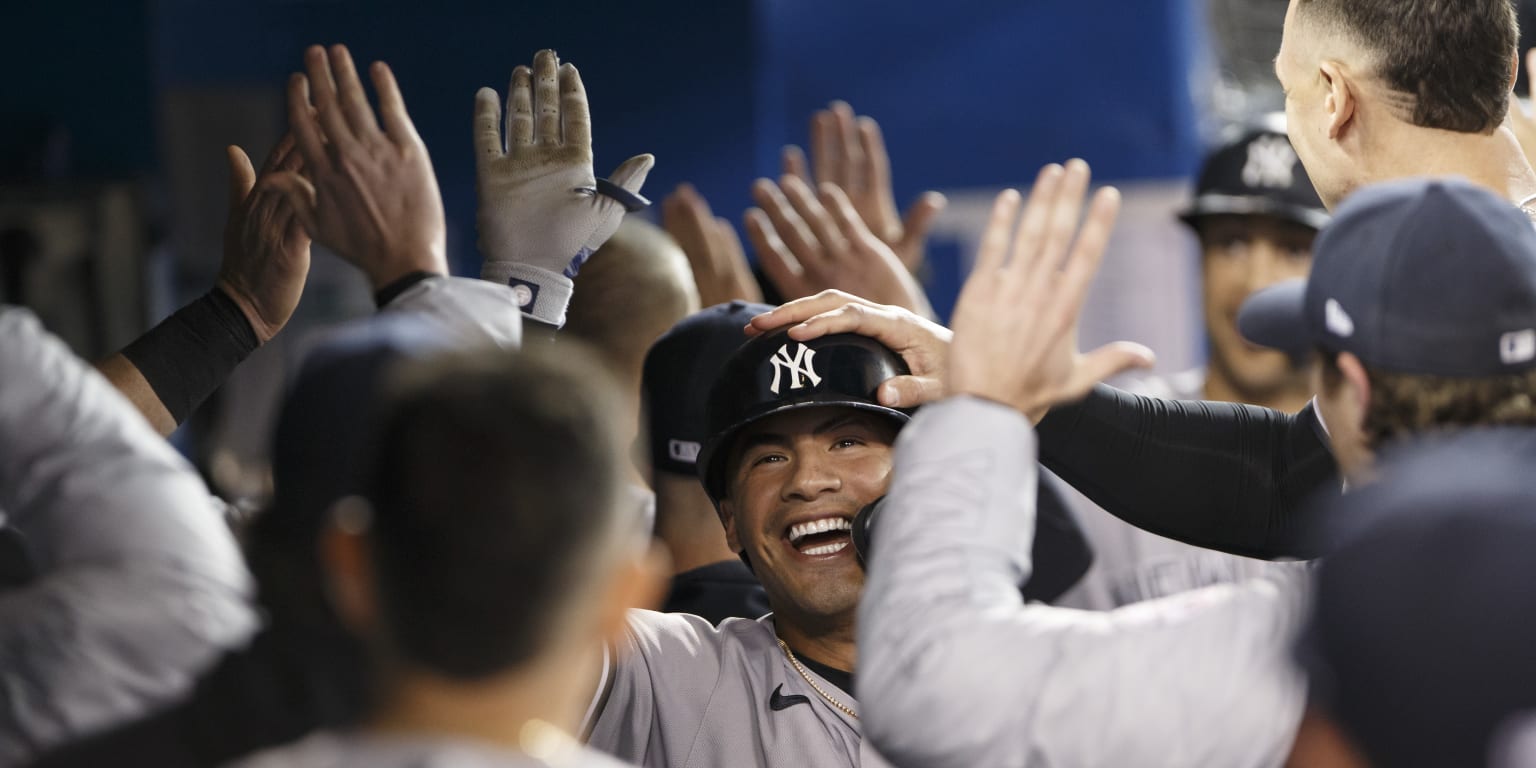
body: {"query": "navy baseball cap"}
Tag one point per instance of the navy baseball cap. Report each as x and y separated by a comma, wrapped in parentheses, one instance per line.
(1422, 641)
(1256, 175)
(679, 370)
(1425, 276)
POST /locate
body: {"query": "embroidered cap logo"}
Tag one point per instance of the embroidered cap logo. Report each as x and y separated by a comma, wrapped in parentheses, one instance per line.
(799, 366)
(1271, 163)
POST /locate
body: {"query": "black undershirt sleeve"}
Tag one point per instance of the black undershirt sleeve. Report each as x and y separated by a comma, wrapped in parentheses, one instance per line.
(1229, 477)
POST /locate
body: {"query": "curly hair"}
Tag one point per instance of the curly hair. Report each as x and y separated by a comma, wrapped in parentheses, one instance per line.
(1406, 404)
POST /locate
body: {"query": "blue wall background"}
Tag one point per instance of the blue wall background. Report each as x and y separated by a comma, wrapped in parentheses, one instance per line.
(971, 93)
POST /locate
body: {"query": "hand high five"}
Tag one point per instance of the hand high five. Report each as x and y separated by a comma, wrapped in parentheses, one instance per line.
(266, 250)
(1016, 320)
(366, 192)
(849, 151)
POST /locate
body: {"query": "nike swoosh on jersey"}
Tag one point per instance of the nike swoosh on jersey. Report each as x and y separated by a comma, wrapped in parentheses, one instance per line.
(778, 701)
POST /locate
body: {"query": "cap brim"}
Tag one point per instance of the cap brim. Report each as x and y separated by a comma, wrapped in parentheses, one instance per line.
(1236, 205)
(1275, 317)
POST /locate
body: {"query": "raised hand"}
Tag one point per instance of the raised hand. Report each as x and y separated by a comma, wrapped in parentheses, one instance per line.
(849, 151)
(541, 210)
(1016, 319)
(367, 193)
(808, 242)
(266, 250)
(714, 251)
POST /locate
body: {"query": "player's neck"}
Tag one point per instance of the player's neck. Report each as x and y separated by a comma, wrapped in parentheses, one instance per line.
(1289, 398)
(832, 645)
(493, 711)
(1494, 161)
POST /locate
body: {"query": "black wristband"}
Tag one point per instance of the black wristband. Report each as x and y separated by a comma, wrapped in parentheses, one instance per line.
(190, 354)
(388, 293)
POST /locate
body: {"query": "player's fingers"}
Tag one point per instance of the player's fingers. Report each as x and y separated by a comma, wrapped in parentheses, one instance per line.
(1061, 226)
(910, 391)
(323, 93)
(877, 164)
(826, 152)
(397, 121)
(792, 160)
(1071, 290)
(520, 109)
(279, 155)
(242, 177)
(546, 98)
(300, 195)
(1037, 215)
(815, 215)
(488, 144)
(844, 215)
(728, 243)
(1102, 364)
(780, 266)
(992, 255)
(304, 124)
(800, 310)
(575, 116)
(787, 226)
(350, 97)
(852, 161)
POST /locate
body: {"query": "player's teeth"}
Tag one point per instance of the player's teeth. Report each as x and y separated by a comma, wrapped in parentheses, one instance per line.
(827, 549)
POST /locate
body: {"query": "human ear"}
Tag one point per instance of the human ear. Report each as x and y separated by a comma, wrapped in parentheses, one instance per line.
(1339, 104)
(347, 563)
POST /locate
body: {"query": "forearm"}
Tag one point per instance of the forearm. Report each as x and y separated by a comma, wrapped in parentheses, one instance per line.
(139, 581)
(954, 537)
(171, 369)
(1223, 476)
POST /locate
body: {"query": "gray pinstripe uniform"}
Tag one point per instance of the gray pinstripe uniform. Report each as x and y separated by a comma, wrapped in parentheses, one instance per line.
(139, 582)
(685, 694)
(957, 671)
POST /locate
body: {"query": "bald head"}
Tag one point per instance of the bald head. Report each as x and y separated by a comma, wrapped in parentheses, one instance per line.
(1445, 63)
(628, 294)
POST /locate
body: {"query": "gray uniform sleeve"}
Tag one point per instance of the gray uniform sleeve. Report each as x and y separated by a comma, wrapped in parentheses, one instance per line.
(473, 310)
(666, 668)
(139, 584)
(955, 670)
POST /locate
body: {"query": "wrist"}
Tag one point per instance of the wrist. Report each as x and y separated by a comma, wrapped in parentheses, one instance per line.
(396, 266)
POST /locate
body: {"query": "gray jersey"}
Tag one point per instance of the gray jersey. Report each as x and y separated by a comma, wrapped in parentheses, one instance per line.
(332, 750)
(958, 671)
(1131, 565)
(684, 693)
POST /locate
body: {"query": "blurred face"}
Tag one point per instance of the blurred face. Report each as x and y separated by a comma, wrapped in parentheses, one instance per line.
(1242, 254)
(1297, 67)
(797, 481)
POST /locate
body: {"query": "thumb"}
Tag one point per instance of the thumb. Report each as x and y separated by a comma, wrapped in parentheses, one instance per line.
(242, 175)
(631, 174)
(920, 217)
(1106, 362)
(910, 391)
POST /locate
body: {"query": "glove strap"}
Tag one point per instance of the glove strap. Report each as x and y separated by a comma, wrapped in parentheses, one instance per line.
(541, 294)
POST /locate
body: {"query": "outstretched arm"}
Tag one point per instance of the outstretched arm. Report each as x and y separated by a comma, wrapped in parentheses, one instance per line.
(167, 372)
(139, 585)
(955, 670)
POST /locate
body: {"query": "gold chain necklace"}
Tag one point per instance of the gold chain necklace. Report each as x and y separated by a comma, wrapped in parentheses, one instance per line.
(796, 662)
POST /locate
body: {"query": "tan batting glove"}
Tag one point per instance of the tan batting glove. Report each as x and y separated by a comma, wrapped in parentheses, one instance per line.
(542, 210)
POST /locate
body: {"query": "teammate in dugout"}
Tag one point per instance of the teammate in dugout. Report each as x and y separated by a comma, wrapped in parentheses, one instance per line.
(1255, 214)
(797, 445)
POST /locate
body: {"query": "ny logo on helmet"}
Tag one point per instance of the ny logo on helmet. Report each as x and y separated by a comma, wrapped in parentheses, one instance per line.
(1271, 163)
(798, 365)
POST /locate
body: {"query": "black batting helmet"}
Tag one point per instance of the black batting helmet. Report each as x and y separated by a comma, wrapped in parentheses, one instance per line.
(1257, 175)
(773, 374)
